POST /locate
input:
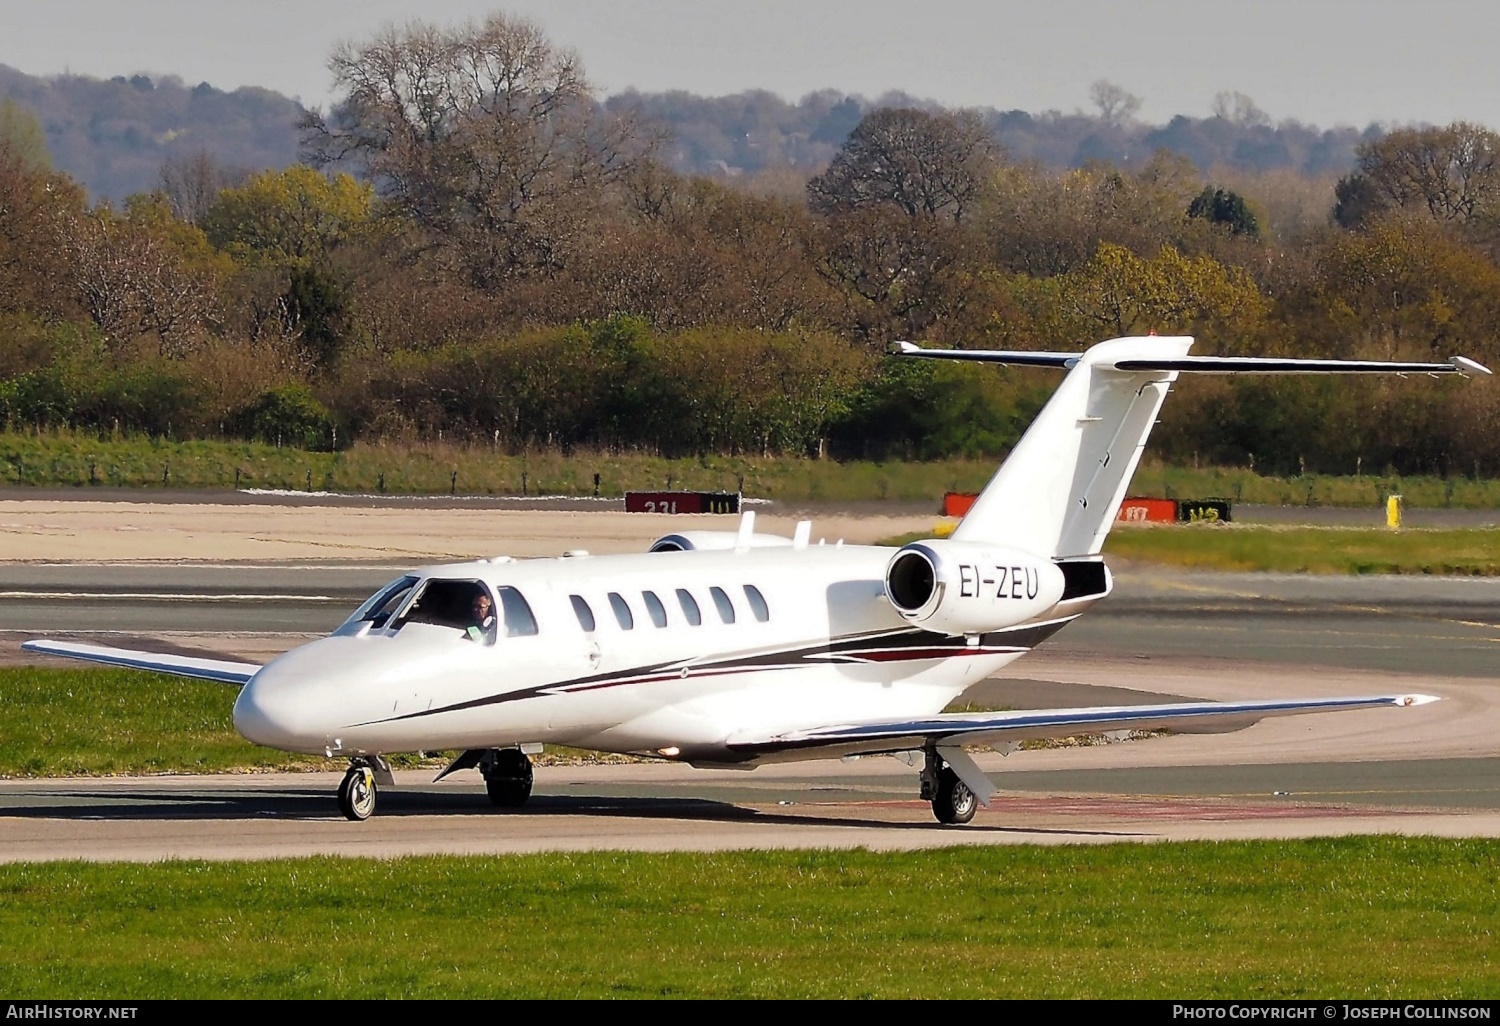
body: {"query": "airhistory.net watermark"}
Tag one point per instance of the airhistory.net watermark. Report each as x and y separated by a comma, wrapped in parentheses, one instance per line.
(69, 1010)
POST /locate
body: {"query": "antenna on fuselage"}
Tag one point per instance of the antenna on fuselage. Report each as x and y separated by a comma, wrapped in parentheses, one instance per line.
(803, 534)
(747, 531)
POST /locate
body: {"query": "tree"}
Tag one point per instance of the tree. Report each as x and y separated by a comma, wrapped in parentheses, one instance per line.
(1239, 109)
(487, 136)
(22, 135)
(144, 272)
(297, 215)
(1117, 106)
(1453, 173)
(1227, 208)
(192, 182)
(920, 163)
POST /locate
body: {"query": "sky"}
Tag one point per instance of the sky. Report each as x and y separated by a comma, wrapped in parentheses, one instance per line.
(1324, 62)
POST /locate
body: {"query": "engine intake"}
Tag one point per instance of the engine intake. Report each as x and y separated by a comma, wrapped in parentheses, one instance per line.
(966, 588)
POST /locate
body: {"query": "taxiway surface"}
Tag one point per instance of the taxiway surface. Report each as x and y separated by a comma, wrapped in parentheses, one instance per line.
(1434, 769)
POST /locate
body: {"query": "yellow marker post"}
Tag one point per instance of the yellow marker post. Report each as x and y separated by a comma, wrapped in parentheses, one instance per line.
(1393, 512)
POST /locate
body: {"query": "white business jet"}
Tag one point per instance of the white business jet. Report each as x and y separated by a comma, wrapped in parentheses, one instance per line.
(734, 649)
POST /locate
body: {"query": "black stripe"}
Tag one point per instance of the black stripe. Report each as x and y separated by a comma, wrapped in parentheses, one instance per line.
(1019, 638)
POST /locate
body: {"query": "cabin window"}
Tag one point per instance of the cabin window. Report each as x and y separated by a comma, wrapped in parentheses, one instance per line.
(519, 623)
(689, 607)
(726, 608)
(379, 607)
(622, 611)
(757, 603)
(583, 612)
(655, 608)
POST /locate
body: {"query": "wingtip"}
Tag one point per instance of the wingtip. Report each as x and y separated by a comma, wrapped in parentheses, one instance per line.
(1463, 363)
(1409, 700)
(898, 348)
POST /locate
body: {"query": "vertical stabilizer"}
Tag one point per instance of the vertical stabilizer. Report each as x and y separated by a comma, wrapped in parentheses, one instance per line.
(1059, 491)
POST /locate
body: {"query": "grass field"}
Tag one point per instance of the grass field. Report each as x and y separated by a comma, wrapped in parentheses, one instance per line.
(72, 459)
(1353, 918)
(1465, 552)
(62, 722)
(1316, 550)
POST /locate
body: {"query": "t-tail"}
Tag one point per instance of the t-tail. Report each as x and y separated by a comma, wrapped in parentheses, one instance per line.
(1059, 492)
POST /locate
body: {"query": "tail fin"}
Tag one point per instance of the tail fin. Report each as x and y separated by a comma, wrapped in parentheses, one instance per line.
(1060, 490)
(1062, 486)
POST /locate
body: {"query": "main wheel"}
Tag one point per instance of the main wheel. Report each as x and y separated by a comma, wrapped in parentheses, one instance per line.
(507, 778)
(954, 802)
(357, 793)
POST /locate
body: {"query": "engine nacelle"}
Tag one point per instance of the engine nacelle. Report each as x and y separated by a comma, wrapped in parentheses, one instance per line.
(970, 587)
(701, 541)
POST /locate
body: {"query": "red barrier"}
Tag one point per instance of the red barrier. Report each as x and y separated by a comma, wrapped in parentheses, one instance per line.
(682, 502)
(1136, 510)
(956, 504)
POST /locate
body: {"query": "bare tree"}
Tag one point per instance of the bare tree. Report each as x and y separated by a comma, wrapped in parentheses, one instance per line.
(487, 136)
(1239, 109)
(1453, 172)
(191, 182)
(924, 164)
(1117, 106)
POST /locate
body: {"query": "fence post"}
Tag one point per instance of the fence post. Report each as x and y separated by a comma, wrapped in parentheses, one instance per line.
(453, 484)
(166, 474)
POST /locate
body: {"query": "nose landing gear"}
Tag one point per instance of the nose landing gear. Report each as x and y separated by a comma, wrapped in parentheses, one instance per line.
(358, 790)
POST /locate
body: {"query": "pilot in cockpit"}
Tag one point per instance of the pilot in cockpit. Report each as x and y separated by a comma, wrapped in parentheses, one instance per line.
(482, 617)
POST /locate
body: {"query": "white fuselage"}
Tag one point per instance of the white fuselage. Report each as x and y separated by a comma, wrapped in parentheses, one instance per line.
(831, 649)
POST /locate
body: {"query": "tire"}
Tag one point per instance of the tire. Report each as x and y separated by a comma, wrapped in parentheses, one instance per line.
(508, 777)
(357, 794)
(954, 803)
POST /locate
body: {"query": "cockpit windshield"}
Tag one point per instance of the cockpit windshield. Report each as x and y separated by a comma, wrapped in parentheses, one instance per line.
(379, 607)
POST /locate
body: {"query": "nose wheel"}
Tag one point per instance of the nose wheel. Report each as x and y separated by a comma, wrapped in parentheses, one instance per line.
(357, 793)
(507, 776)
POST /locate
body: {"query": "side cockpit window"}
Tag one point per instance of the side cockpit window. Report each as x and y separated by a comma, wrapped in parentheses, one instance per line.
(457, 604)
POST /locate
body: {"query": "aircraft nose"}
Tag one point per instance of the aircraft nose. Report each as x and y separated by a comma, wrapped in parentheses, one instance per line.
(265, 715)
(293, 702)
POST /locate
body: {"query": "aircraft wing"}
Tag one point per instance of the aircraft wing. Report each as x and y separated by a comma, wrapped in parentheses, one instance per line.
(218, 670)
(953, 730)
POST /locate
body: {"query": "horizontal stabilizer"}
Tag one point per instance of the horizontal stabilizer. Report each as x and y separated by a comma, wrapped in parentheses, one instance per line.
(218, 670)
(1198, 364)
(950, 729)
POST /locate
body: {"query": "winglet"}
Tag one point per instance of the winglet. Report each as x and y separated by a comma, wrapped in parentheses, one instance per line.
(1407, 700)
(902, 347)
(1463, 363)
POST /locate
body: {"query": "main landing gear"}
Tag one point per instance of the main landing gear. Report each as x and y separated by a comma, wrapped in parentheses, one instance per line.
(507, 776)
(952, 801)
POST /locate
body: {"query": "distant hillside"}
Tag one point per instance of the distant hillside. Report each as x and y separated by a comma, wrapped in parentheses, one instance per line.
(114, 135)
(757, 131)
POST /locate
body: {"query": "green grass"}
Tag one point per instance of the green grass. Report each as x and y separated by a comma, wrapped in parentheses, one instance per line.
(1317, 550)
(61, 722)
(76, 459)
(1466, 552)
(1355, 918)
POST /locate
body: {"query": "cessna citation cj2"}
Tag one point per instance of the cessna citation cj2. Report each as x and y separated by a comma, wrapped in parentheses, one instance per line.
(733, 649)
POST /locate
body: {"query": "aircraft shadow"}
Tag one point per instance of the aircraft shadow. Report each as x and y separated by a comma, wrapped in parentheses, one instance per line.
(307, 805)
